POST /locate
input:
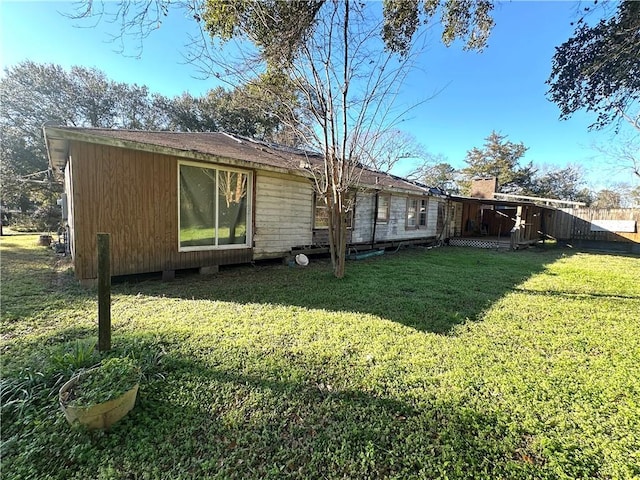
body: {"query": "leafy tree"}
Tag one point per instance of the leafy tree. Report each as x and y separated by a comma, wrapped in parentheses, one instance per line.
(499, 158)
(237, 111)
(184, 113)
(32, 94)
(585, 195)
(138, 109)
(598, 69)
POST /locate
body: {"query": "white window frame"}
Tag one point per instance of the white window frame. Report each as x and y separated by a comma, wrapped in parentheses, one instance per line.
(319, 203)
(420, 202)
(387, 209)
(217, 167)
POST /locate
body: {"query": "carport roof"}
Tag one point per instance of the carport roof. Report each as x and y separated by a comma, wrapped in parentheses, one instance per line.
(492, 201)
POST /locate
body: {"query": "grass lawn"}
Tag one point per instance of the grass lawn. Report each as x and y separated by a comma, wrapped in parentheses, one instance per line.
(444, 363)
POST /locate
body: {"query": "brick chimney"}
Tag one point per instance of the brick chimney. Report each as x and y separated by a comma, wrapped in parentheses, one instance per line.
(484, 187)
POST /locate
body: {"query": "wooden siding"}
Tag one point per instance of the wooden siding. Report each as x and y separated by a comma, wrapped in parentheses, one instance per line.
(363, 217)
(478, 219)
(283, 214)
(396, 227)
(321, 237)
(133, 196)
(575, 224)
(455, 225)
(531, 226)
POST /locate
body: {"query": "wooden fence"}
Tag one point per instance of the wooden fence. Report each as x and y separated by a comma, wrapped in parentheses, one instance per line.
(589, 225)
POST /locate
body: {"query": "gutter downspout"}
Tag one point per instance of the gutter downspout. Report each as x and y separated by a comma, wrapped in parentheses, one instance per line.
(375, 220)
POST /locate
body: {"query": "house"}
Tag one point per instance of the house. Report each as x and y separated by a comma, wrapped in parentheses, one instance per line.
(175, 201)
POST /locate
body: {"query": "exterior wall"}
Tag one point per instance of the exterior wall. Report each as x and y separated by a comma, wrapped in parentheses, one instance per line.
(531, 220)
(321, 236)
(133, 196)
(283, 214)
(396, 227)
(363, 217)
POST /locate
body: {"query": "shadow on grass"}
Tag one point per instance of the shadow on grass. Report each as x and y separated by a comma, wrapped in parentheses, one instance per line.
(209, 421)
(429, 290)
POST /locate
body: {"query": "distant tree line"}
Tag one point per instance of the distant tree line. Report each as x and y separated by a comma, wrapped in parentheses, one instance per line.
(501, 158)
(32, 94)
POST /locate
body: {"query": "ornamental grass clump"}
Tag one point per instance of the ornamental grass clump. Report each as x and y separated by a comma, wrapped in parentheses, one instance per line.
(111, 379)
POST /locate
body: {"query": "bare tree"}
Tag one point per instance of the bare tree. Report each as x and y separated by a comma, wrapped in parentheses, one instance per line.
(390, 147)
(622, 155)
(340, 74)
(350, 89)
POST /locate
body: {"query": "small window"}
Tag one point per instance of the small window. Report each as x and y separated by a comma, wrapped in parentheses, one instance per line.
(321, 212)
(422, 213)
(416, 213)
(383, 208)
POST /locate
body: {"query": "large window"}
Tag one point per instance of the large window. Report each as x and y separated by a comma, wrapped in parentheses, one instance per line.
(214, 208)
(416, 213)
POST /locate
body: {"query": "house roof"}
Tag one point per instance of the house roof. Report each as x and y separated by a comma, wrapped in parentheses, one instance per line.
(215, 147)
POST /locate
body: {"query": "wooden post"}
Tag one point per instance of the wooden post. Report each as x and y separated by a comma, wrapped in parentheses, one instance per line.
(104, 293)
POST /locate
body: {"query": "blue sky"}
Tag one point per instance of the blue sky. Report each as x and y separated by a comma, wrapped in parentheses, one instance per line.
(500, 89)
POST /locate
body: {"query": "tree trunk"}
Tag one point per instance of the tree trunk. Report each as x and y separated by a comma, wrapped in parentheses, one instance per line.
(337, 235)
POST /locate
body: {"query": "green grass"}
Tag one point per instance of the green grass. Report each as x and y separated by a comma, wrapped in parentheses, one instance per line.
(443, 363)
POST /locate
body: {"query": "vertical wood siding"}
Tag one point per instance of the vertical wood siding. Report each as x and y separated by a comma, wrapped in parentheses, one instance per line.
(456, 219)
(575, 224)
(283, 214)
(133, 196)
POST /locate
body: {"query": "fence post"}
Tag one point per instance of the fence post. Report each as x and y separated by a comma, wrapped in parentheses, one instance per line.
(104, 293)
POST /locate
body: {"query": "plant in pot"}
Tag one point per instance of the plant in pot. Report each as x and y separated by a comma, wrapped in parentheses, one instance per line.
(102, 395)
